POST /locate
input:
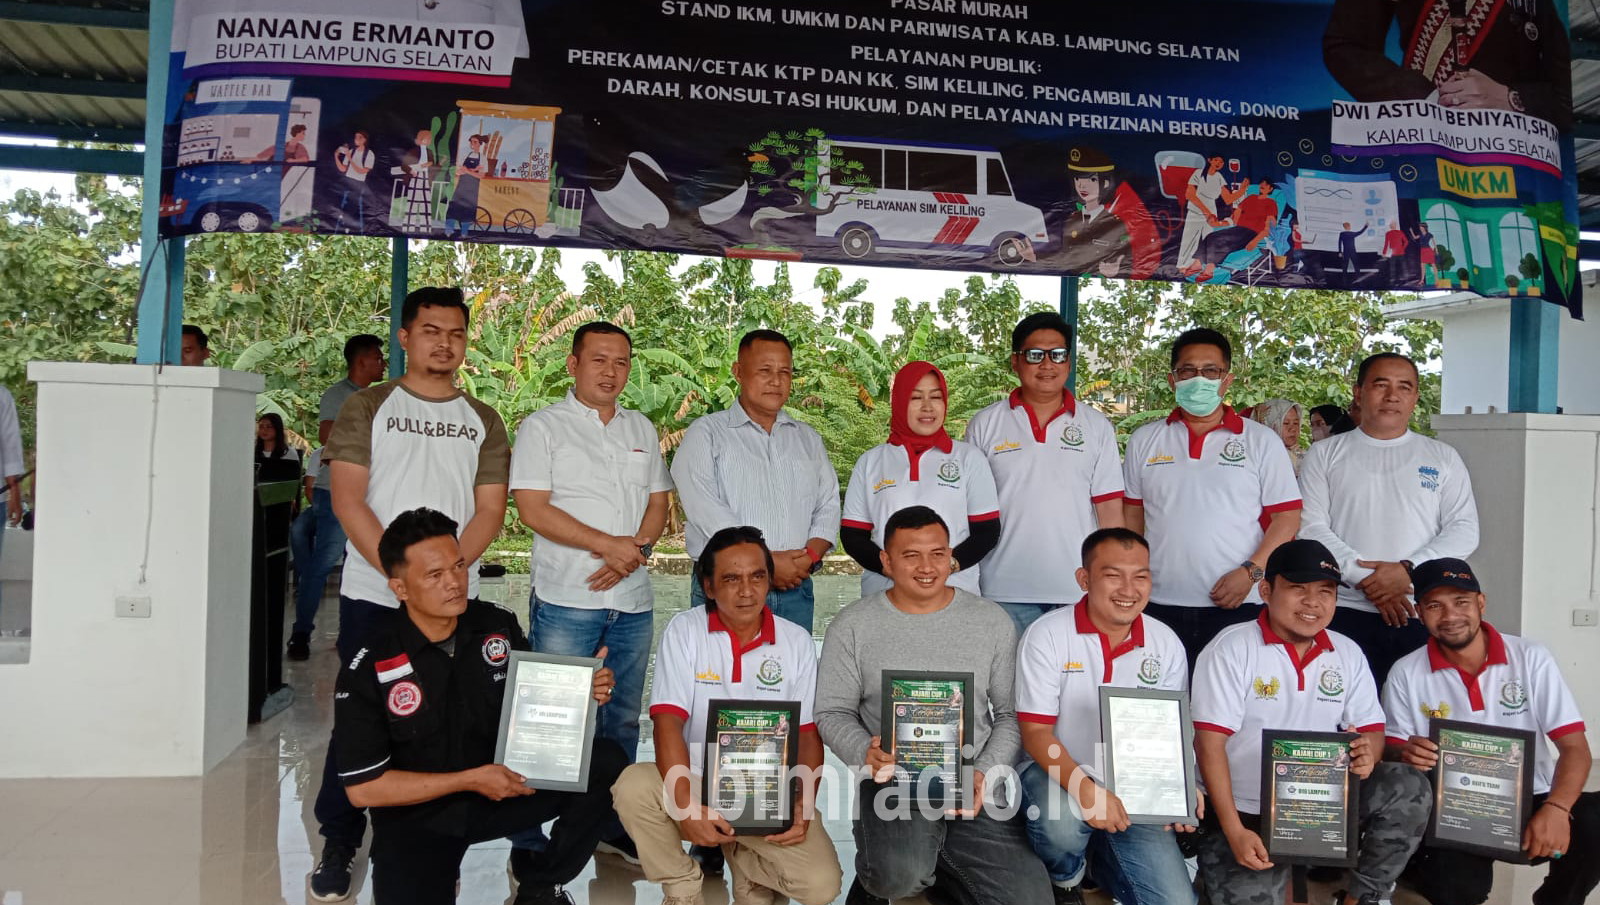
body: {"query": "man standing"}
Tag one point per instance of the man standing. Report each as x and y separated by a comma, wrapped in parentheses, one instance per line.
(416, 716)
(1471, 671)
(364, 365)
(195, 348)
(1056, 470)
(416, 441)
(731, 648)
(1199, 483)
(1065, 657)
(752, 464)
(588, 478)
(917, 624)
(1383, 497)
(1286, 671)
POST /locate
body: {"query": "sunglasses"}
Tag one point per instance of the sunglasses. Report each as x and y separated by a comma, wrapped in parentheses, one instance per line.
(1034, 356)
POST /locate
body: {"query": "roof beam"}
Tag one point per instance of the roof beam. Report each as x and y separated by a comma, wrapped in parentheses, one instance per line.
(1589, 249)
(1589, 219)
(119, 135)
(1586, 127)
(41, 84)
(72, 160)
(1585, 49)
(86, 16)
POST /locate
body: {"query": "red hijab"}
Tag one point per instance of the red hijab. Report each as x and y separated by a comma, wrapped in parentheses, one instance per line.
(900, 432)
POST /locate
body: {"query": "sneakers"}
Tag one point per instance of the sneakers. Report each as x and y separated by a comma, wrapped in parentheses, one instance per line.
(330, 882)
(530, 894)
(299, 646)
(622, 847)
(1338, 899)
(858, 895)
(1067, 895)
(709, 857)
(748, 892)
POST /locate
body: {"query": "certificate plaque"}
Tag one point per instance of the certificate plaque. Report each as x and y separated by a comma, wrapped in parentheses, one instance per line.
(547, 720)
(1149, 745)
(1308, 798)
(927, 719)
(1482, 788)
(750, 748)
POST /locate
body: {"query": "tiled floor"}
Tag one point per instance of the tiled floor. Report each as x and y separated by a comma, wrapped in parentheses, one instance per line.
(245, 834)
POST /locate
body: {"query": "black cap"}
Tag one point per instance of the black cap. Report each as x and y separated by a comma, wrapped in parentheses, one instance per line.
(1089, 160)
(1436, 573)
(1304, 561)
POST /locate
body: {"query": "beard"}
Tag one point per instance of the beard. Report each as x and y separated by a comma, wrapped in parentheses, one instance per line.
(1463, 643)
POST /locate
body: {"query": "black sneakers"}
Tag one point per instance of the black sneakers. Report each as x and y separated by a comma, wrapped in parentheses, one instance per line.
(709, 858)
(299, 646)
(529, 894)
(1067, 895)
(858, 895)
(330, 882)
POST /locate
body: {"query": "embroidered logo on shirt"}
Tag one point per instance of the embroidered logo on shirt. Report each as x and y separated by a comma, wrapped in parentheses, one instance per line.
(1159, 459)
(495, 649)
(1442, 712)
(1073, 666)
(1429, 476)
(884, 484)
(950, 471)
(770, 673)
(1267, 689)
(1150, 670)
(393, 668)
(1512, 694)
(1072, 435)
(405, 698)
(709, 675)
(1331, 683)
(1007, 446)
(1232, 451)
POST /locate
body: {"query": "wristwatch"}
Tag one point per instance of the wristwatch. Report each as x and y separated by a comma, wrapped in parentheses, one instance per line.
(1255, 572)
(646, 549)
(1408, 565)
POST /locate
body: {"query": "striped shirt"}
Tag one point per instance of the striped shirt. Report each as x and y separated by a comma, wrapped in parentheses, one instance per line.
(729, 471)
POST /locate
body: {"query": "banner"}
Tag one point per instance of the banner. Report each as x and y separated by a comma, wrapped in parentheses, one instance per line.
(1347, 144)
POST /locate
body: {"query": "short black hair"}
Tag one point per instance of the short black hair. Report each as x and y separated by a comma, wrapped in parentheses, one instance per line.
(1039, 320)
(433, 297)
(771, 336)
(1370, 360)
(359, 343)
(1127, 537)
(598, 327)
(1329, 413)
(722, 540)
(910, 519)
(408, 529)
(198, 334)
(1202, 336)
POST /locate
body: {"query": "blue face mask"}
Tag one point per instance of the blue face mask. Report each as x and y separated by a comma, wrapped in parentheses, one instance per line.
(1199, 396)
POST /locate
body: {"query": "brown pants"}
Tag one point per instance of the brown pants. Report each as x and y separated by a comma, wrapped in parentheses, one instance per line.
(807, 872)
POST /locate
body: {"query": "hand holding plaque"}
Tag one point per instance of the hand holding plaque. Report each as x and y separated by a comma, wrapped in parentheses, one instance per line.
(751, 747)
(1482, 788)
(1308, 798)
(547, 719)
(927, 719)
(1149, 745)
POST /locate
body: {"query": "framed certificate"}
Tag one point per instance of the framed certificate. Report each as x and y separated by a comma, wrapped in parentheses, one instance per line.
(547, 720)
(1308, 798)
(1482, 788)
(927, 721)
(750, 748)
(1149, 745)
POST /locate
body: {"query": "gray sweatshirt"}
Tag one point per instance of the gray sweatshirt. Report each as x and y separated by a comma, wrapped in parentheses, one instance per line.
(871, 635)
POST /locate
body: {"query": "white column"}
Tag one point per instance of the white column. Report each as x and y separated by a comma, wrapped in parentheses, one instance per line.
(145, 478)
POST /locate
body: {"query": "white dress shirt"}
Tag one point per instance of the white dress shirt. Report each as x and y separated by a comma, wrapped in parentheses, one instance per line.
(731, 472)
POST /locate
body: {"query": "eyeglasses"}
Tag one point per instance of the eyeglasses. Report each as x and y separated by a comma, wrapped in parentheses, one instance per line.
(1034, 356)
(1188, 372)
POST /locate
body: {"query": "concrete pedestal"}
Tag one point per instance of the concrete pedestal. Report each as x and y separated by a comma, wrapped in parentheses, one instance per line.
(139, 470)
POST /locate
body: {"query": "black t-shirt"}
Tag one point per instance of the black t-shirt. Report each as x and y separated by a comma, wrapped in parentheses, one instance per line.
(406, 703)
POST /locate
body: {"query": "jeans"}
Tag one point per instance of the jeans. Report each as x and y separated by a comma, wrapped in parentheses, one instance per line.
(1195, 626)
(1026, 614)
(1463, 878)
(340, 820)
(980, 860)
(798, 605)
(575, 632)
(1384, 644)
(321, 557)
(1140, 865)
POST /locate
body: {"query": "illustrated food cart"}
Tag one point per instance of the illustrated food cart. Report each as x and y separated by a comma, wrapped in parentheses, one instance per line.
(514, 194)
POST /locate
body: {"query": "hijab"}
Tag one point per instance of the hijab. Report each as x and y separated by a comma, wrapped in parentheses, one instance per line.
(900, 432)
(1272, 413)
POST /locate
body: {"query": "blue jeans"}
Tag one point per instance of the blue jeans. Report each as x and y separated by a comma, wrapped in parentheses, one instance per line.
(320, 558)
(1140, 865)
(338, 819)
(575, 632)
(1025, 614)
(798, 605)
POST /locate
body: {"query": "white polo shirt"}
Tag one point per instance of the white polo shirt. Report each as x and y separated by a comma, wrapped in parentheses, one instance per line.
(1525, 690)
(1248, 680)
(1048, 478)
(1204, 499)
(698, 659)
(1063, 660)
(600, 474)
(956, 484)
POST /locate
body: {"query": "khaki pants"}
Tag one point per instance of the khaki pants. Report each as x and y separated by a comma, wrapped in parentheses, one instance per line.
(807, 873)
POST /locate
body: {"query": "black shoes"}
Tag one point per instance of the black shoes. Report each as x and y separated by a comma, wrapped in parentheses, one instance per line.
(529, 894)
(299, 646)
(709, 857)
(330, 882)
(858, 895)
(1067, 895)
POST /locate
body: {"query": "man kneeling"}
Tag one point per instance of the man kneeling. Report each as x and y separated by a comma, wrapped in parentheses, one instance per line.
(732, 648)
(416, 715)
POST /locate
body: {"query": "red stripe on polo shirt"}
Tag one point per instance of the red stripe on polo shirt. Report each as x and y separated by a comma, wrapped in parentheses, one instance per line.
(984, 516)
(1395, 740)
(767, 635)
(1133, 501)
(1213, 727)
(1469, 680)
(1069, 406)
(1319, 644)
(1568, 729)
(1108, 654)
(808, 727)
(1039, 718)
(852, 523)
(675, 710)
(1108, 497)
(1370, 727)
(1286, 506)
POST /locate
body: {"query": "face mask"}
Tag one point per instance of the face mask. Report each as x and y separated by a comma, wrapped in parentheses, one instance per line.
(1199, 396)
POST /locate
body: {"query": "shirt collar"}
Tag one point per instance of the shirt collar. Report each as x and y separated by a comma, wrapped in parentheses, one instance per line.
(1231, 421)
(1069, 403)
(1497, 651)
(411, 638)
(767, 635)
(740, 416)
(1318, 644)
(1086, 626)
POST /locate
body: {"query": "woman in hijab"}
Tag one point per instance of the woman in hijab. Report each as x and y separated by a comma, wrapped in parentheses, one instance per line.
(1284, 418)
(921, 466)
